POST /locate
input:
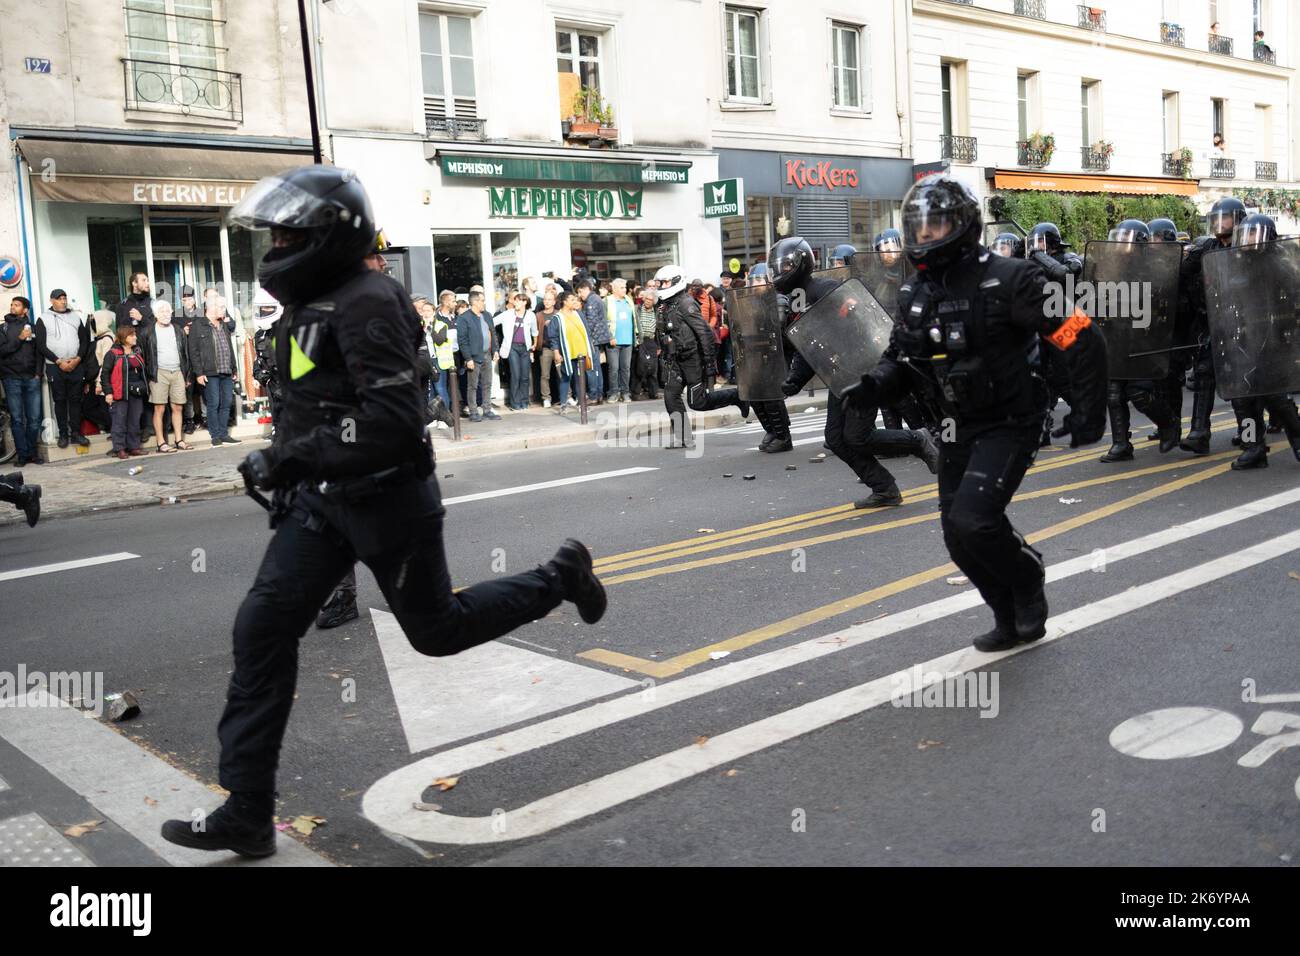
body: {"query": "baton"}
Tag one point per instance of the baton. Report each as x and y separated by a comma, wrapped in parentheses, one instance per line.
(1176, 348)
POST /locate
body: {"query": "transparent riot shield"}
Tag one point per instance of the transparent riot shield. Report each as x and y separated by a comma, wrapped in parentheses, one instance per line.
(754, 314)
(843, 336)
(883, 273)
(1130, 290)
(1252, 301)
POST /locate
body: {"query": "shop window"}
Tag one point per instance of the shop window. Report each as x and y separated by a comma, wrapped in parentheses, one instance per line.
(447, 67)
(458, 262)
(634, 256)
(175, 59)
(505, 267)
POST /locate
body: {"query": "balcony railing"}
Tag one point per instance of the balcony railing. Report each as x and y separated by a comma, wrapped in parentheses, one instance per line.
(1220, 45)
(1032, 8)
(1027, 155)
(1174, 166)
(1265, 170)
(1092, 18)
(959, 149)
(189, 90)
(1095, 159)
(1172, 34)
(452, 126)
(1264, 54)
(1223, 168)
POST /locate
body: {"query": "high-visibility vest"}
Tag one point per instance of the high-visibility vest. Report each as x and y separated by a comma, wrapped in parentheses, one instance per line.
(443, 353)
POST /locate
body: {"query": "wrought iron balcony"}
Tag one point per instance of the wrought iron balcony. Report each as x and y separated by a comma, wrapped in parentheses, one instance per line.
(189, 90)
(1032, 8)
(1223, 168)
(1033, 157)
(960, 149)
(1264, 54)
(1220, 45)
(1092, 18)
(1095, 159)
(452, 126)
(1172, 34)
(1265, 170)
(1175, 165)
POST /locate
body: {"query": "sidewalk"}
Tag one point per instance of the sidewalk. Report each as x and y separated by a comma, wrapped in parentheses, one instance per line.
(75, 483)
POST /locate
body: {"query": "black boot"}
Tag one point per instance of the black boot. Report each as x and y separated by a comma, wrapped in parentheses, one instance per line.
(1061, 432)
(1253, 456)
(29, 501)
(244, 824)
(1169, 436)
(929, 451)
(439, 412)
(1003, 636)
(338, 610)
(1121, 448)
(1031, 615)
(778, 444)
(1197, 440)
(573, 565)
(744, 409)
(889, 498)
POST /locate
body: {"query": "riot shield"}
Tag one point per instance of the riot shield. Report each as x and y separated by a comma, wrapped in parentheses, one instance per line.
(754, 315)
(1131, 291)
(882, 273)
(843, 336)
(836, 274)
(1252, 301)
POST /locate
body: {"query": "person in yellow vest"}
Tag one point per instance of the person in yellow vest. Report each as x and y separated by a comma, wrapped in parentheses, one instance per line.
(567, 337)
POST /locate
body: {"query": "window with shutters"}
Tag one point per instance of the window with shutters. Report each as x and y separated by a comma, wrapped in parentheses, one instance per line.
(447, 67)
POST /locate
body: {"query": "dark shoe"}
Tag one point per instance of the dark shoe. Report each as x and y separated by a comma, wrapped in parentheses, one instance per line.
(1120, 451)
(338, 610)
(929, 451)
(492, 416)
(63, 441)
(136, 452)
(122, 454)
(476, 417)
(1236, 441)
(29, 500)
(1199, 445)
(1154, 436)
(243, 824)
(1273, 428)
(767, 440)
(81, 440)
(998, 639)
(216, 443)
(1255, 456)
(1169, 437)
(441, 413)
(1031, 616)
(744, 408)
(572, 563)
(881, 499)
(230, 441)
(190, 428)
(1061, 432)
(36, 459)
(20, 461)
(778, 444)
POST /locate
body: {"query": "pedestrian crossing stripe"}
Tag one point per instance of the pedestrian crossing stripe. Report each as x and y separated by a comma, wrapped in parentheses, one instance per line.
(299, 363)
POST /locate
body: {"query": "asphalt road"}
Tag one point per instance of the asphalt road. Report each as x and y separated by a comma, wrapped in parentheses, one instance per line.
(737, 703)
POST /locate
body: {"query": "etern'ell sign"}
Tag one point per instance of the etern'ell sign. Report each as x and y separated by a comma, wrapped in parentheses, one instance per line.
(535, 202)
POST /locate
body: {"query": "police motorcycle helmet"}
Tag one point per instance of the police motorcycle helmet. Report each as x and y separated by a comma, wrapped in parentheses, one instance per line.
(266, 310)
(843, 254)
(1008, 245)
(671, 280)
(326, 208)
(1045, 237)
(941, 222)
(891, 240)
(791, 263)
(1225, 216)
(1255, 229)
(1163, 230)
(1130, 230)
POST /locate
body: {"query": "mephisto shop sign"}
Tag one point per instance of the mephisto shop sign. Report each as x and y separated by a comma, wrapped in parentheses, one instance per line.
(535, 202)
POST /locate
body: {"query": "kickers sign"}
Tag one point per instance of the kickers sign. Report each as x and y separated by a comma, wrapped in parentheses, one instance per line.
(819, 175)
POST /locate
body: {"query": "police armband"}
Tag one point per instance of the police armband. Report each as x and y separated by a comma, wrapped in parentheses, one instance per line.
(1068, 333)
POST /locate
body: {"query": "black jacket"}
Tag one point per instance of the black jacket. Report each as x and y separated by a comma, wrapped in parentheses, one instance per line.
(683, 334)
(142, 302)
(203, 348)
(352, 403)
(148, 342)
(19, 359)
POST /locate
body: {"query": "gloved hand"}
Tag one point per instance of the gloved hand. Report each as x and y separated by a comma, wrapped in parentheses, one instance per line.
(862, 395)
(260, 470)
(789, 388)
(1043, 259)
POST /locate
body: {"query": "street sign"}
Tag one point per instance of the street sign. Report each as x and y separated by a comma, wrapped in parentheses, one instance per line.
(11, 272)
(726, 197)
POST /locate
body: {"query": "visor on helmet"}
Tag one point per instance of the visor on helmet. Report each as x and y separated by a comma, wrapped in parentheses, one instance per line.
(1127, 235)
(274, 202)
(1004, 247)
(1037, 243)
(1253, 233)
(1222, 223)
(889, 245)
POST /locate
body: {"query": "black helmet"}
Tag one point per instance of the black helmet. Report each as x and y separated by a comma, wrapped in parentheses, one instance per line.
(1254, 230)
(1130, 230)
(891, 240)
(791, 263)
(1163, 230)
(329, 206)
(1226, 215)
(1008, 244)
(1045, 237)
(941, 222)
(844, 252)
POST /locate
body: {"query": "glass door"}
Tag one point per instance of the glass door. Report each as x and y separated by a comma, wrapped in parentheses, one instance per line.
(171, 272)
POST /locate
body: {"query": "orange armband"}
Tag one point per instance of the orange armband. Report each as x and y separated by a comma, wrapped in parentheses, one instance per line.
(1065, 336)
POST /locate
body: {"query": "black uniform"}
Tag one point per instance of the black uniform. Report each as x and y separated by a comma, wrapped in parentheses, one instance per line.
(690, 363)
(1193, 329)
(1058, 266)
(26, 498)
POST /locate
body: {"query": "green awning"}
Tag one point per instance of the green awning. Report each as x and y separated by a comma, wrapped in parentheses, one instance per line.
(533, 169)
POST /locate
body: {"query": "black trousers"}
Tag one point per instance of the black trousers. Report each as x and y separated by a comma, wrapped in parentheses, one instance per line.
(688, 375)
(66, 394)
(398, 535)
(855, 439)
(977, 479)
(1281, 410)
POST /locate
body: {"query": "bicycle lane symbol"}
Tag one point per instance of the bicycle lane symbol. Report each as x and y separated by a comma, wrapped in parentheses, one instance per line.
(1176, 732)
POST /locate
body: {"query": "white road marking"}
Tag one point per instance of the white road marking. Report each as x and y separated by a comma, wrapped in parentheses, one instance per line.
(388, 802)
(442, 699)
(119, 779)
(3, 786)
(520, 640)
(1176, 732)
(66, 565)
(801, 441)
(557, 483)
(1278, 699)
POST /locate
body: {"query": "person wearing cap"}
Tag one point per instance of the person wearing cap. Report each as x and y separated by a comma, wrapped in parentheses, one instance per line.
(64, 342)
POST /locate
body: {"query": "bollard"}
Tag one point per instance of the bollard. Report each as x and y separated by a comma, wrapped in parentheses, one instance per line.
(454, 392)
(582, 391)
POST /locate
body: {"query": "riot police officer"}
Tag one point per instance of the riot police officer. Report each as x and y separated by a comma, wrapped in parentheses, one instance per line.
(843, 254)
(266, 313)
(1145, 395)
(888, 244)
(1165, 230)
(850, 432)
(1224, 217)
(1008, 245)
(969, 325)
(26, 498)
(351, 470)
(1045, 247)
(689, 356)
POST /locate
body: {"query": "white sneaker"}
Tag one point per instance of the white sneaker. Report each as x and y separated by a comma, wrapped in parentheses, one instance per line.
(573, 403)
(546, 404)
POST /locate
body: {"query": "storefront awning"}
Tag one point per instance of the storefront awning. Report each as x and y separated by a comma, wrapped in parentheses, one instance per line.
(545, 169)
(1083, 183)
(163, 175)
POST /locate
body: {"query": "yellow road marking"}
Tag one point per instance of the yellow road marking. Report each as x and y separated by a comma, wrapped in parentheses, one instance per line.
(682, 662)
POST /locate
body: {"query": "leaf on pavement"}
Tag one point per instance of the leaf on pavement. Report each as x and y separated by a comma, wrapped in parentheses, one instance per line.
(150, 801)
(731, 773)
(704, 530)
(701, 740)
(445, 783)
(81, 829)
(306, 823)
(1295, 575)
(927, 744)
(421, 805)
(959, 579)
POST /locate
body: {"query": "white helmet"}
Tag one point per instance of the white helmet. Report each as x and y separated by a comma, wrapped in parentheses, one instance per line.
(266, 310)
(671, 281)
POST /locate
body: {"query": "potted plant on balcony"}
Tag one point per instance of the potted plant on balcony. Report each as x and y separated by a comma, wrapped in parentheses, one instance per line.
(1183, 160)
(1103, 149)
(608, 131)
(588, 112)
(1040, 147)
